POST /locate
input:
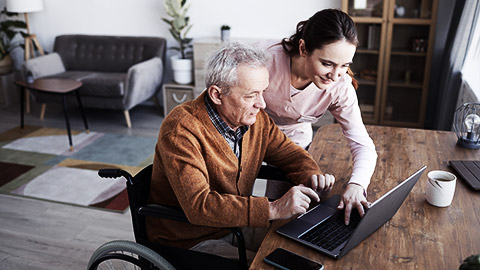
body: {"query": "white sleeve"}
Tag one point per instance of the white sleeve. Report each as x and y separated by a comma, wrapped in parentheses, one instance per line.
(347, 112)
(364, 155)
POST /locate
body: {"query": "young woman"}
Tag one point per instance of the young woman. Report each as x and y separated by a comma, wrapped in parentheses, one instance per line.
(309, 74)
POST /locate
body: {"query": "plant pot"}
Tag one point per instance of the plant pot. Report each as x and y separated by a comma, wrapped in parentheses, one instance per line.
(225, 35)
(182, 70)
(6, 65)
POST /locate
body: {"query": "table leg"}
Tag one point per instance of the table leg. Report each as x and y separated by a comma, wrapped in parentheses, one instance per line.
(67, 121)
(81, 110)
(27, 100)
(22, 100)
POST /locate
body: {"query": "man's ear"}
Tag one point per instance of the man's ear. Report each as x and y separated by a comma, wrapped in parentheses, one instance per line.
(215, 94)
(301, 47)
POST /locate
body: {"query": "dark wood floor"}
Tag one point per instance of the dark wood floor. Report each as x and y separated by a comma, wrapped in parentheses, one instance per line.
(36, 234)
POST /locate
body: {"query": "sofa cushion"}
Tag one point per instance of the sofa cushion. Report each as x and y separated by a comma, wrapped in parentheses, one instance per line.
(72, 75)
(104, 84)
(46, 65)
(107, 53)
(100, 84)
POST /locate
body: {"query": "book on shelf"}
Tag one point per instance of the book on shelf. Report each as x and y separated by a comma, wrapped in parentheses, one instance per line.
(373, 42)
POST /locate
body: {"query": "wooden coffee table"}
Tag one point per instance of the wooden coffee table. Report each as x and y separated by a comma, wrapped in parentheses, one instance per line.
(60, 87)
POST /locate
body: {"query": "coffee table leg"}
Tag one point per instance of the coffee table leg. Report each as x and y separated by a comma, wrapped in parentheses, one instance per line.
(22, 100)
(81, 110)
(64, 99)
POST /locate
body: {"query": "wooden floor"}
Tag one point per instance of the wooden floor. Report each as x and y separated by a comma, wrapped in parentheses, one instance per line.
(36, 234)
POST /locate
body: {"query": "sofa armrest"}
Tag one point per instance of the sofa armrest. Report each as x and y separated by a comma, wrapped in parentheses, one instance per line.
(143, 81)
(44, 65)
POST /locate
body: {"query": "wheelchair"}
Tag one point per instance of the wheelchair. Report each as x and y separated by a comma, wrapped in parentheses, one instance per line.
(142, 254)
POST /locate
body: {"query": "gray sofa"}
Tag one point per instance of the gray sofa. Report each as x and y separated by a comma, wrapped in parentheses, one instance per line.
(117, 72)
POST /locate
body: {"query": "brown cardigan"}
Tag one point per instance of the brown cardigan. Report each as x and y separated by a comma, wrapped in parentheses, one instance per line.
(194, 168)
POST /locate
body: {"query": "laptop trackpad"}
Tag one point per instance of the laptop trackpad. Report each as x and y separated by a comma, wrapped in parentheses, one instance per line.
(314, 216)
(322, 211)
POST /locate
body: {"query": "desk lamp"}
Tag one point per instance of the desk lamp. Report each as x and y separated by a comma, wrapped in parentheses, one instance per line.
(466, 124)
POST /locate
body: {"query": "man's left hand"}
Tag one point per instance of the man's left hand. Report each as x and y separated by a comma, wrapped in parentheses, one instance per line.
(353, 197)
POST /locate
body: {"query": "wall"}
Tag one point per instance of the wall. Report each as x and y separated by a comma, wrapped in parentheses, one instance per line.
(247, 18)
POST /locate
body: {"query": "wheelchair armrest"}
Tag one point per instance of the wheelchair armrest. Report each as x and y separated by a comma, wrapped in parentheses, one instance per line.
(242, 251)
(161, 211)
(272, 173)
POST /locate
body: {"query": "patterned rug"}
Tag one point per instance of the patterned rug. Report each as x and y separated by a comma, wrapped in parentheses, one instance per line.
(36, 162)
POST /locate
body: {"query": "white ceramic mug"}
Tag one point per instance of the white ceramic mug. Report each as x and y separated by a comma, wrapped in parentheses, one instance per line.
(440, 188)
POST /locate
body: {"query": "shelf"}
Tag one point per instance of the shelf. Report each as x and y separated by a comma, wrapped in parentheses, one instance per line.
(401, 84)
(368, 112)
(409, 53)
(368, 20)
(411, 21)
(368, 119)
(393, 58)
(367, 81)
(367, 51)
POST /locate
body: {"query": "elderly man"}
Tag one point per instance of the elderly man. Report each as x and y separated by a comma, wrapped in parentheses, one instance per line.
(209, 151)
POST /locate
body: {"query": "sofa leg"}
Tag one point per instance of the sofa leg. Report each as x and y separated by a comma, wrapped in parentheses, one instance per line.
(127, 118)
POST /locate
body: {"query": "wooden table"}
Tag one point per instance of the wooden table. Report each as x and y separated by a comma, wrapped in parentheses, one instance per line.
(419, 236)
(60, 87)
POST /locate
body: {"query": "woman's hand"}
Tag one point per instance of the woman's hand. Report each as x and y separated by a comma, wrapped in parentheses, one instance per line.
(353, 197)
(321, 183)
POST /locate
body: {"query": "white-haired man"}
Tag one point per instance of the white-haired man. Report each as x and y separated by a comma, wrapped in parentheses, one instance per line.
(209, 151)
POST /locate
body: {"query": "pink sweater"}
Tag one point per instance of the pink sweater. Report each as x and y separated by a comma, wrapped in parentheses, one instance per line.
(294, 115)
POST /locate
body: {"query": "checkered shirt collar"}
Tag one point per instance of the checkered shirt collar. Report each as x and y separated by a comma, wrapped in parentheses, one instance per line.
(221, 126)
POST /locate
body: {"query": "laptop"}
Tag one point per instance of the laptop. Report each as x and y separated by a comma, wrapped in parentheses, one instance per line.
(323, 227)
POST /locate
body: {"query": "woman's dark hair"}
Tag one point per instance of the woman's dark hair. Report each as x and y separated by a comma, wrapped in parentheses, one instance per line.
(324, 27)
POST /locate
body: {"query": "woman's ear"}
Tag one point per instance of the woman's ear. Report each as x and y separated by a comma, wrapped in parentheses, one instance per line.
(301, 47)
(215, 94)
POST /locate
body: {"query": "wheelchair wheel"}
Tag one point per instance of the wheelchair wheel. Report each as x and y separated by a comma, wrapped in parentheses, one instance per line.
(121, 254)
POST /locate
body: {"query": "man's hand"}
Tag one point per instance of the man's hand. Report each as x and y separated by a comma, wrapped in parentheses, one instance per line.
(321, 183)
(295, 201)
(353, 198)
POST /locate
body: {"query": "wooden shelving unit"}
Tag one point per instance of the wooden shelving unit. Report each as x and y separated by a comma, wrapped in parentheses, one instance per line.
(393, 59)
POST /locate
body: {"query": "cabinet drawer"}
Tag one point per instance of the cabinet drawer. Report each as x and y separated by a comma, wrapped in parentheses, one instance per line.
(173, 96)
(199, 82)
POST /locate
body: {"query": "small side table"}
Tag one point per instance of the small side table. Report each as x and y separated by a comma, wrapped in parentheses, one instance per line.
(54, 86)
(175, 94)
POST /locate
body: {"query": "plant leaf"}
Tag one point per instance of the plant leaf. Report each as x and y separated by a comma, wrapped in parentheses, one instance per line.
(171, 7)
(186, 31)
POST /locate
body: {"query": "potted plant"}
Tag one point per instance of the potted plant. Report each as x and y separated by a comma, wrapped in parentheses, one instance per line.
(8, 31)
(182, 64)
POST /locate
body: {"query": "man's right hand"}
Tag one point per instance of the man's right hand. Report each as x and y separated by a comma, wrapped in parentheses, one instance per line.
(296, 201)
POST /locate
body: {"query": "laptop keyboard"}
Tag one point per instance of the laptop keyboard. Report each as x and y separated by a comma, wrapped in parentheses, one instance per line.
(332, 232)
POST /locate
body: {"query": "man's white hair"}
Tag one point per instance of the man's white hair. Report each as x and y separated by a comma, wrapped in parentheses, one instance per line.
(221, 67)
